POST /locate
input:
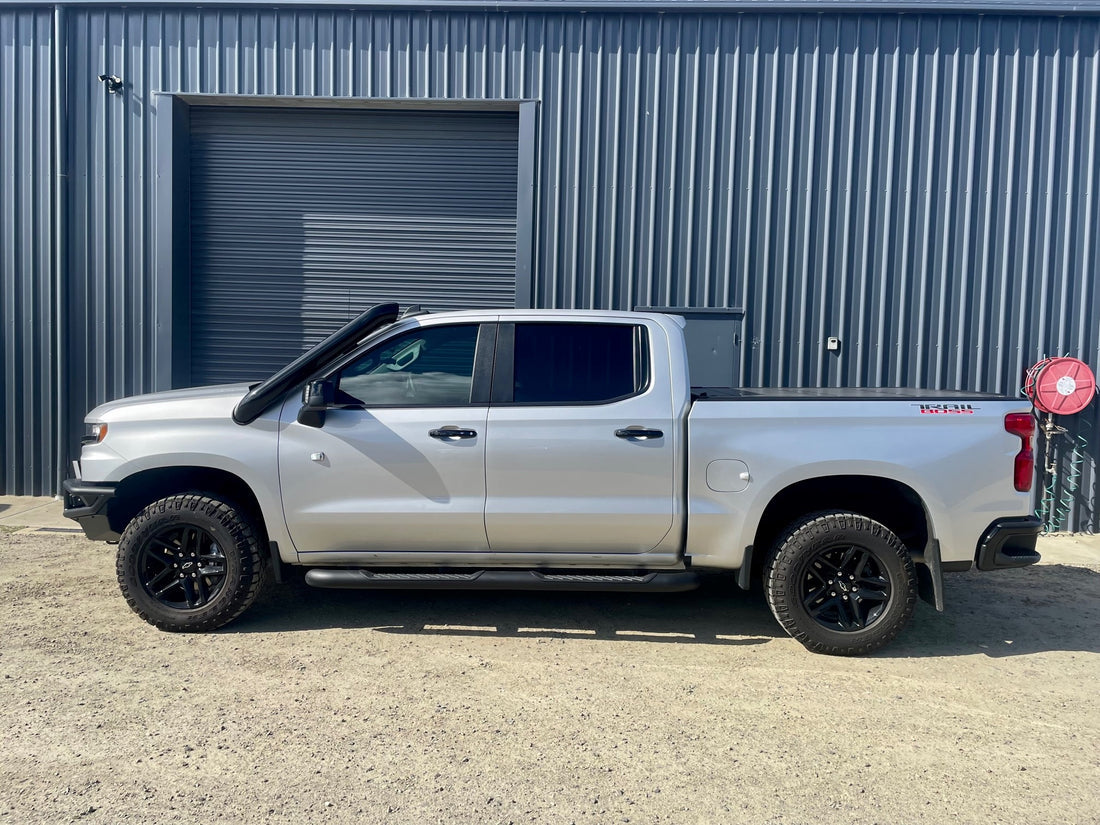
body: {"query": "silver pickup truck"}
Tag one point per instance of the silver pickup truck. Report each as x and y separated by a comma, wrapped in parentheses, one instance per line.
(564, 450)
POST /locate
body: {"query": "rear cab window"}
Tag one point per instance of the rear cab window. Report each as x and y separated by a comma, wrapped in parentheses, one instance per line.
(577, 363)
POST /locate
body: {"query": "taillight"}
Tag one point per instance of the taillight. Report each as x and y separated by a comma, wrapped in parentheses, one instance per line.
(1023, 470)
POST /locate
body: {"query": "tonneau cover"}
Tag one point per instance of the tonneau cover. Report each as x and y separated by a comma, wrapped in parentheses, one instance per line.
(840, 394)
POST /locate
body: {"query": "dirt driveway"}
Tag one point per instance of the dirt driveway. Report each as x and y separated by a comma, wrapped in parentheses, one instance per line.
(426, 707)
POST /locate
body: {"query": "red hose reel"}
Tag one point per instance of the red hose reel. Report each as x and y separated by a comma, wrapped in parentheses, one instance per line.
(1062, 386)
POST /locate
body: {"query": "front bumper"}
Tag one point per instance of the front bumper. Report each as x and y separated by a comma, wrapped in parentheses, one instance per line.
(1009, 542)
(86, 504)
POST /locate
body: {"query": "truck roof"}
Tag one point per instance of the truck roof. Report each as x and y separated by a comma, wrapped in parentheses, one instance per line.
(588, 314)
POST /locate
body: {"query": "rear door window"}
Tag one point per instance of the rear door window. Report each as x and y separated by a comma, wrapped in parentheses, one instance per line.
(578, 363)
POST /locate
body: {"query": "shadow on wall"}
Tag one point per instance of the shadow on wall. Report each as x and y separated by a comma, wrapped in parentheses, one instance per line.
(1006, 613)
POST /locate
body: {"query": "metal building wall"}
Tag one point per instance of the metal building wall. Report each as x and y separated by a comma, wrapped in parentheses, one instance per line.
(28, 301)
(923, 186)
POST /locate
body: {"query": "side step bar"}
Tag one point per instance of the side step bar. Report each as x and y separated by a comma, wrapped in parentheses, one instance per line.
(655, 582)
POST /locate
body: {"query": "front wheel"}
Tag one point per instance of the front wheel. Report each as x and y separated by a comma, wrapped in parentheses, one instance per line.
(190, 563)
(841, 583)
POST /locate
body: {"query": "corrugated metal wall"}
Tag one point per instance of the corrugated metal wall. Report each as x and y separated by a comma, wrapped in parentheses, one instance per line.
(27, 292)
(924, 187)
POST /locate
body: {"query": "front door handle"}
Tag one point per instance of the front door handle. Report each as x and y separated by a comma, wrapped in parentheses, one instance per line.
(452, 433)
(639, 433)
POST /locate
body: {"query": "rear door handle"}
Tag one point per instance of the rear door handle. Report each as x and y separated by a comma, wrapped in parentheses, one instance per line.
(639, 433)
(452, 433)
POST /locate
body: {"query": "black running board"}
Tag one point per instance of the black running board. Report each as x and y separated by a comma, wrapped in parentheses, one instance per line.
(655, 582)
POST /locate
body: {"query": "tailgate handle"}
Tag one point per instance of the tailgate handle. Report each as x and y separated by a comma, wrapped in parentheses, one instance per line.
(639, 433)
(452, 433)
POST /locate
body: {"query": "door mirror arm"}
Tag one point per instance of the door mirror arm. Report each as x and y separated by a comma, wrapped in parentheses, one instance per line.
(317, 398)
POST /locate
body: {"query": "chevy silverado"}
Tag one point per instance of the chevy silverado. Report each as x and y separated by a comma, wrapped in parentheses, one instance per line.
(522, 449)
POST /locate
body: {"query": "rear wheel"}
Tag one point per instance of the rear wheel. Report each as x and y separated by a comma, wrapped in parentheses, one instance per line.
(841, 583)
(190, 563)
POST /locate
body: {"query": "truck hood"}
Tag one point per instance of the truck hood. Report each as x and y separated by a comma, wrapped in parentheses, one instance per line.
(194, 402)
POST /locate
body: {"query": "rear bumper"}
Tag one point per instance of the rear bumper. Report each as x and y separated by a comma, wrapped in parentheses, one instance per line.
(86, 504)
(1009, 542)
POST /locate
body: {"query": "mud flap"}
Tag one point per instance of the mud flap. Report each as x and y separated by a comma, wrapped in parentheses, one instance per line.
(744, 575)
(276, 561)
(930, 576)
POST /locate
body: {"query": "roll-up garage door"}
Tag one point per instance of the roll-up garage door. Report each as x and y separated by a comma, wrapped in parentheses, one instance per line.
(301, 218)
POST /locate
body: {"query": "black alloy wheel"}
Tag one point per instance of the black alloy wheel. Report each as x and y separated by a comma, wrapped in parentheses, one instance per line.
(845, 588)
(182, 566)
(841, 583)
(191, 562)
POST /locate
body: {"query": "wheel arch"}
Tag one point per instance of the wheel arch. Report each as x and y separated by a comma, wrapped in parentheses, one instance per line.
(137, 491)
(893, 503)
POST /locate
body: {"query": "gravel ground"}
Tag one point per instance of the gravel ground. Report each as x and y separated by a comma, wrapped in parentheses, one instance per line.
(328, 706)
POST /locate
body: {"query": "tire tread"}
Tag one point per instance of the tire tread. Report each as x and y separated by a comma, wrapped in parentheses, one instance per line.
(253, 566)
(779, 571)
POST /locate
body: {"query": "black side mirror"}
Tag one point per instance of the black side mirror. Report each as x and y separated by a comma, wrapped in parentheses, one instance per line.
(317, 396)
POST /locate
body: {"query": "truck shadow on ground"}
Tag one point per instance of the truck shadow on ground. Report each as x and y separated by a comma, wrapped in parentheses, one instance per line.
(718, 613)
(1008, 613)
(1049, 607)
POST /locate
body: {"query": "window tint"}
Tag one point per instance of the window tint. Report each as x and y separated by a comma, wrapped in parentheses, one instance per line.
(433, 366)
(578, 363)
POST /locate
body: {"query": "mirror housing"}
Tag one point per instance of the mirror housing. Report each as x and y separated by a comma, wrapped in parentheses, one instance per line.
(317, 397)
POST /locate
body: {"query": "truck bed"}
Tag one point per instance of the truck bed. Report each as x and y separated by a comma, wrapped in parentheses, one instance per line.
(950, 449)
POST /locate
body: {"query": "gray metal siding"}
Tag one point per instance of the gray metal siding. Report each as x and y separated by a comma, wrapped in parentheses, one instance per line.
(302, 217)
(27, 263)
(923, 186)
(1051, 7)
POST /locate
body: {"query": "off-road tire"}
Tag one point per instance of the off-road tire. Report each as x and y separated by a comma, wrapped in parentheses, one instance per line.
(815, 575)
(190, 563)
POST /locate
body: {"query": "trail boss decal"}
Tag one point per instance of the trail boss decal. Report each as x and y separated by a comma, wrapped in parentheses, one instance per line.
(946, 409)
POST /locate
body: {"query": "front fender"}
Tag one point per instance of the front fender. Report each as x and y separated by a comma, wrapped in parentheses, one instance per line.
(248, 452)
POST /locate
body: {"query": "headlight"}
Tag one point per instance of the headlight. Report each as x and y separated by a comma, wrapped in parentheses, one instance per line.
(96, 433)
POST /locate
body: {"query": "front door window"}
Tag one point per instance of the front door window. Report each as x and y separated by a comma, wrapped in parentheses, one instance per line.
(428, 367)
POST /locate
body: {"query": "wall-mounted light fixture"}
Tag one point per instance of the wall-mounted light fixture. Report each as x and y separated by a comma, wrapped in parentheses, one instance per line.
(114, 83)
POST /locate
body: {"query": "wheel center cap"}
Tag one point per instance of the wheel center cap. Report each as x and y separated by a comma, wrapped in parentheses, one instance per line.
(187, 565)
(843, 586)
